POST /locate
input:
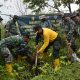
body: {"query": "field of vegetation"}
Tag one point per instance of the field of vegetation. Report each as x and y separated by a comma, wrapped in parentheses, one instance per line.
(43, 71)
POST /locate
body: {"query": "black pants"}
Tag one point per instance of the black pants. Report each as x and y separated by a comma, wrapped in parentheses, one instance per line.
(56, 47)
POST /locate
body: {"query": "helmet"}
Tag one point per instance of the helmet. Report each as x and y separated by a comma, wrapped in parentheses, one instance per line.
(27, 34)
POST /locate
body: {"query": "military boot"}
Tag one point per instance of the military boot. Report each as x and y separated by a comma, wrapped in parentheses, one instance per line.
(9, 69)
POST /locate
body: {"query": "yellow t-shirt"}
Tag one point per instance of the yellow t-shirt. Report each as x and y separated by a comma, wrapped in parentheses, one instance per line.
(48, 36)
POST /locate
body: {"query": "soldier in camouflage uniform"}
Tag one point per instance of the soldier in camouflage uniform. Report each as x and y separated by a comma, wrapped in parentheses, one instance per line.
(76, 19)
(14, 42)
(69, 27)
(11, 27)
(46, 23)
(78, 15)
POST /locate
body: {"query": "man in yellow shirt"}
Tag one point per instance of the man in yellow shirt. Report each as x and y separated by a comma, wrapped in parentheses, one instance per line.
(50, 38)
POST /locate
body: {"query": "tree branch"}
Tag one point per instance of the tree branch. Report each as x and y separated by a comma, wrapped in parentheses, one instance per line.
(55, 7)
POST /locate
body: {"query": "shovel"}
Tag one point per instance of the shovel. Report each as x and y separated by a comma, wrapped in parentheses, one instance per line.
(36, 60)
(36, 70)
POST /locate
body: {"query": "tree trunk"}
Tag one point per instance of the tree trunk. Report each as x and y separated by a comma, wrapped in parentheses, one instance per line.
(69, 7)
(56, 7)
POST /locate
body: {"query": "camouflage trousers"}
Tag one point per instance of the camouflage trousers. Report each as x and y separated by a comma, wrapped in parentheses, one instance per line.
(72, 40)
(6, 55)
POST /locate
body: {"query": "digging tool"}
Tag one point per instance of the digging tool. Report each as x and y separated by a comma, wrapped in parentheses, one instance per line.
(36, 59)
(36, 70)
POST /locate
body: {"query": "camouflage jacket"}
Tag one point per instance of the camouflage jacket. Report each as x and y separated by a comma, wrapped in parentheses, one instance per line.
(11, 42)
(16, 45)
(11, 28)
(68, 27)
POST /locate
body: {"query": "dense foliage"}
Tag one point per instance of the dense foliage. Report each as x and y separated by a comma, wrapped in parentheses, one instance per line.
(37, 5)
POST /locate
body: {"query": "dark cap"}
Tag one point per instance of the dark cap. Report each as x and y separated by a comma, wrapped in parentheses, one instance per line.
(37, 27)
(15, 17)
(0, 19)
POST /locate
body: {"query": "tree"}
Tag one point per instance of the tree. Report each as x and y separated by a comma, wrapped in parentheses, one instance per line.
(38, 5)
(57, 4)
(67, 3)
(22, 8)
